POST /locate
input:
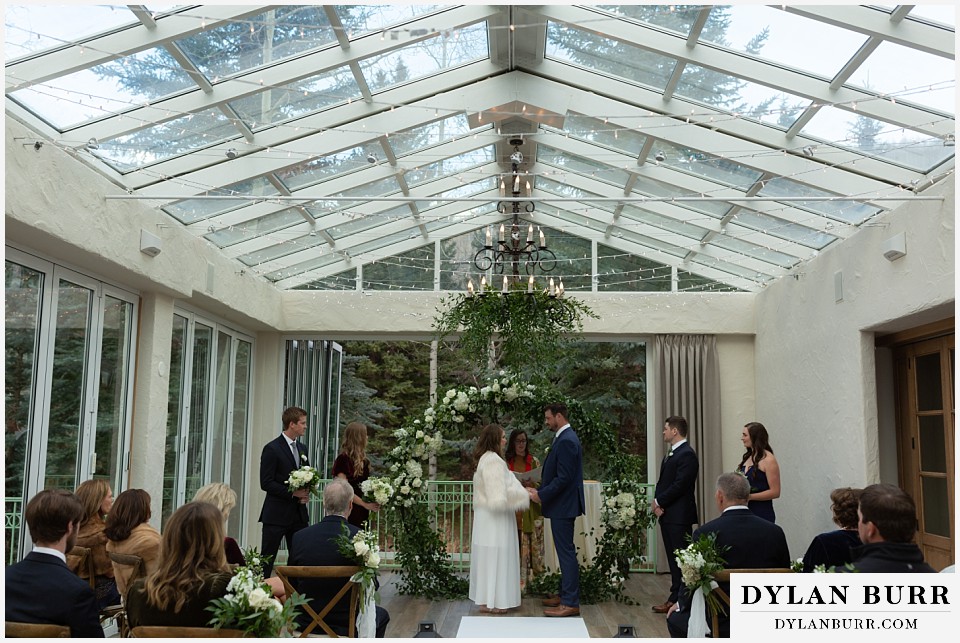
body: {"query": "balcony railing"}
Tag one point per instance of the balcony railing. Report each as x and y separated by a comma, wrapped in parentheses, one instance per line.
(451, 510)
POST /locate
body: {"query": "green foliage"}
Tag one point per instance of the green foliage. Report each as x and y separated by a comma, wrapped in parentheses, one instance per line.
(425, 566)
(528, 328)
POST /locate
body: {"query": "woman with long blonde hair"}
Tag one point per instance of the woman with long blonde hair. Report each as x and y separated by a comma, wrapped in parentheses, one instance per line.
(353, 466)
(193, 570)
(97, 500)
(223, 498)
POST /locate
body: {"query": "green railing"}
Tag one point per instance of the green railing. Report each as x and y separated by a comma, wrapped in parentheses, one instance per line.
(12, 522)
(451, 509)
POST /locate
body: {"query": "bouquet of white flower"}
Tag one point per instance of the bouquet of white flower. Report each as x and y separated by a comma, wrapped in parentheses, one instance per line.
(363, 547)
(249, 604)
(379, 488)
(620, 511)
(305, 477)
(699, 562)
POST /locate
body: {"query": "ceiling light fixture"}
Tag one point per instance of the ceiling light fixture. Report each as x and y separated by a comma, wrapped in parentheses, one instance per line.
(231, 153)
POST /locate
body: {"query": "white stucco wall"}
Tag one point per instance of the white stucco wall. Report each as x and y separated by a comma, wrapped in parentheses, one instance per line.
(816, 383)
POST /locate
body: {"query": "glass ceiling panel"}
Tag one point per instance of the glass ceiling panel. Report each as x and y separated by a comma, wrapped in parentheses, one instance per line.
(282, 248)
(462, 191)
(452, 165)
(945, 14)
(167, 140)
(785, 38)
(581, 165)
(35, 28)
(691, 161)
(562, 189)
(319, 169)
(359, 20)
(594, 130)
(191, 210)
(262, 226)
(675, 17)
(849, 211)
(877, 138)
(297, 99)
(418, 138)
(116, 86)
(443, 51)
(748, 249)
(369, 221)
(650, 187)
(784, 229)
(266, 38)
(598, 53)
(660, 221)
(909, 76)
(733, 94)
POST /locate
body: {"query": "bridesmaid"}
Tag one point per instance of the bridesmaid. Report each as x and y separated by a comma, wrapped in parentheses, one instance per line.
(761, 469)
(353, 466)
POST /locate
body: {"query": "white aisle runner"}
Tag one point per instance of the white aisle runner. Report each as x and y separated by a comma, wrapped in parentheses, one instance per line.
(521, 627)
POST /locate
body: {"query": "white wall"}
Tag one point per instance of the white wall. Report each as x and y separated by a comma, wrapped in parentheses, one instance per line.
(816, 382)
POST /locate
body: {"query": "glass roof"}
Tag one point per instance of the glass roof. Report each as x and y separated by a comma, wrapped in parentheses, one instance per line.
(712, 147)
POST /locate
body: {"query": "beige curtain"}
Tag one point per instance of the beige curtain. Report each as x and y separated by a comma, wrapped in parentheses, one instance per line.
(688, 384)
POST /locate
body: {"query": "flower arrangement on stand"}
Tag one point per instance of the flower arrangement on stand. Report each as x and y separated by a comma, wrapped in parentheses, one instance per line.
(249, 604)
(363, 548)
(698, 563)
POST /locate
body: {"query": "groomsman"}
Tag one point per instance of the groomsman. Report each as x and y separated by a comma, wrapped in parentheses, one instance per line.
(283, 512)
(674, 502)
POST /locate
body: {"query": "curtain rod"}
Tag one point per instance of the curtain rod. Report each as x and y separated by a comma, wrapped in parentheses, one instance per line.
(539, 199)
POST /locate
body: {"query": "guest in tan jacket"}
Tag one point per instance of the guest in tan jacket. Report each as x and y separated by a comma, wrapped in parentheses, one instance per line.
(128, 533)
(97, 500)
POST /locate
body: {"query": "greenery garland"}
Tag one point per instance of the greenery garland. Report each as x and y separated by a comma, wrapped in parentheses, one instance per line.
(425, 567)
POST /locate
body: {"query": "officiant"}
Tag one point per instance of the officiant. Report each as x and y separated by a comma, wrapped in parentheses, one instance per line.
(529, 522)
(284, 512)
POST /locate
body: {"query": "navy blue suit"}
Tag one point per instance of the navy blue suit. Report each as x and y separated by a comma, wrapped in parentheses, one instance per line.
(316, 546)
(561, 500)
(675, 495)
(282, 514)
(41, 589)
(753, 543)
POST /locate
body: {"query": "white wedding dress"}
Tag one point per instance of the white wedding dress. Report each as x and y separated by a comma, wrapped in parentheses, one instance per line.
(495, 550)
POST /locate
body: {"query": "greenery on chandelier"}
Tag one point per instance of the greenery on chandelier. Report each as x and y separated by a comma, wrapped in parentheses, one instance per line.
(523, 327)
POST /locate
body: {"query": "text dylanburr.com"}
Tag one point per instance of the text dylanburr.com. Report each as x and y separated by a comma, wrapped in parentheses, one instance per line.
(858, 606)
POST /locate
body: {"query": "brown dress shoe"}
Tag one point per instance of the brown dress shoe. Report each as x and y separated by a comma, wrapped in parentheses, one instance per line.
(562, 610)
(662, 609)
(553, 601)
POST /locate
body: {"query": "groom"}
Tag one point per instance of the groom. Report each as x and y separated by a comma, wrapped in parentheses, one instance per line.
(561, 496)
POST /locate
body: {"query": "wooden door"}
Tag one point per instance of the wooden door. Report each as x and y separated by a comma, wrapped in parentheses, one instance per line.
(925, 402)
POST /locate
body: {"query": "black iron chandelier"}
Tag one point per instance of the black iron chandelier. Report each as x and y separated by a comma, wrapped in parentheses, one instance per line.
(511, 251)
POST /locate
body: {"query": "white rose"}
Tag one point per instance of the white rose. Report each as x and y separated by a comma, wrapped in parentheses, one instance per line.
(258, 598)
(419, 434)
(405, 490)
(451, 394)
(373, 560)
(417, 482)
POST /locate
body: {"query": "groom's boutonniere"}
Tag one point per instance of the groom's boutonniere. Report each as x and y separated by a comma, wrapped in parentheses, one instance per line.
(303, 458)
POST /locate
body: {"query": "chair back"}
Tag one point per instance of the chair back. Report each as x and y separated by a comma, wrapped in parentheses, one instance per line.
(80, 561)
(723, 576)
(129, 560)
(13, 630)
(286, 572)
(174, 632)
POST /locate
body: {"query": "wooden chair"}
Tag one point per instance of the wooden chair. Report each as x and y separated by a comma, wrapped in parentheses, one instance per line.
(286, 572)
(80, 562)
(723, 576)
(117, 611)
(174, 632)
(14, 630)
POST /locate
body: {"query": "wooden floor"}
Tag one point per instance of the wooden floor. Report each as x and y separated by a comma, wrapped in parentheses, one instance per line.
(601, 620)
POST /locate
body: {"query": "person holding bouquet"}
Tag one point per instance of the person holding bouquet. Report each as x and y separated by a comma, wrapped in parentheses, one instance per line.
(284, 511)
(353, 466)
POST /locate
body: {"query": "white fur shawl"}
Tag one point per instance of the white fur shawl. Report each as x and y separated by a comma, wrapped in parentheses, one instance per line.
(495, 487)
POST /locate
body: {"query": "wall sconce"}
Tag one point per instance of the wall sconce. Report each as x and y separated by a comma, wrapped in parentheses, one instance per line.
(895, 247)
(150, 243)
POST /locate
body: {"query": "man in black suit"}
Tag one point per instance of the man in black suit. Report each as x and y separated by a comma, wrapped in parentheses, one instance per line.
(317, 546)
(750, 541)
(40, 588)
(283, 512)
(674, 502)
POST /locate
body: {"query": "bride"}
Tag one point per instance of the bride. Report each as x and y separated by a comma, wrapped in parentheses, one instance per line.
(497, 495)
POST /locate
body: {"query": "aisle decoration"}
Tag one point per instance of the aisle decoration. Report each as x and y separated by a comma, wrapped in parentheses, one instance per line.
(249, 604)
(699, 563)
(363, 548)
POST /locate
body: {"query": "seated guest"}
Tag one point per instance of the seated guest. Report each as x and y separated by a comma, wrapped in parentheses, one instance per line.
(40, 588)
(753, 542)
(193, 570)
(317, 545)
(832, 548)
(97, 500)
(223, 498)
(128, 532)
(887, 525)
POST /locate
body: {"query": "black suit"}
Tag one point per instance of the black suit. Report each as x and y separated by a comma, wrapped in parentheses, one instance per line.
(282, 513)
(675, 494)
(753, 543)
(316, 545)
(41, 589)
